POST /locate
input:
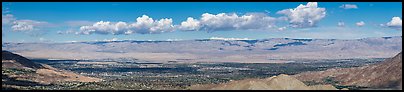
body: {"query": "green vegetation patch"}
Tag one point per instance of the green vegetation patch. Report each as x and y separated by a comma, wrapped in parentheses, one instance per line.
(16, 71)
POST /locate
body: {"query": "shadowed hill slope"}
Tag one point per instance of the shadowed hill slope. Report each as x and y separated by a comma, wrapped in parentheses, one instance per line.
(20, 71)
(6, 56)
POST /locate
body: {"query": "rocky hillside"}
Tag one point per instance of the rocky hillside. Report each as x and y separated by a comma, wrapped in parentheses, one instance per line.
(19, 71)
(387, 74)
(280, 82)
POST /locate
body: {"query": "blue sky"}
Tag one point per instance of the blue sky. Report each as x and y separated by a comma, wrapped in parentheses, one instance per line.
(64, 22)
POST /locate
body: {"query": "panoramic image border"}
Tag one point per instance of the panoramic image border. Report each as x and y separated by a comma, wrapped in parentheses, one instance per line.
(201, 45)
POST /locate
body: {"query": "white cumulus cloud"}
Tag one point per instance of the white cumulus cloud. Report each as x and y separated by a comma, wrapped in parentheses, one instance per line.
(28, 25)
(304, 15)
(15, 24)
(395, 22)
(360, 24)
(143, 25)
(22, 26)
(229, 21)
(146, 25)
(348, 6)
(190, 24)
(102, 28)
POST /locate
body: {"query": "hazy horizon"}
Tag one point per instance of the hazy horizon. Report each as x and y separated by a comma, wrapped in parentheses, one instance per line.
(211, 38)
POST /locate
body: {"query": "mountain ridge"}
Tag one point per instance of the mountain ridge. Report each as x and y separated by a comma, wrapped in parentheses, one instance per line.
(245, 51)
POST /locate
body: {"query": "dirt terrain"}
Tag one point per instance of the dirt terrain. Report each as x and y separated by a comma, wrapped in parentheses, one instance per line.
(387, 74)
(17, 68)
(280, 82)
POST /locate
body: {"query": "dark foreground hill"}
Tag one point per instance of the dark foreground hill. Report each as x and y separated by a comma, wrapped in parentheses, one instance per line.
(19, 60)
(384, 75)
(19, 72)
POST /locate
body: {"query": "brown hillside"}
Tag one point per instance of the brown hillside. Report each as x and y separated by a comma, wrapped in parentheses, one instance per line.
(280, 82)
(387, 74)
(17, 67)
(19, 60)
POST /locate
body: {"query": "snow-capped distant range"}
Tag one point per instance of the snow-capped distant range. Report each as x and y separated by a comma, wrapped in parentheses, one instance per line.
(214, 49)
(116, 39)
(222, 38)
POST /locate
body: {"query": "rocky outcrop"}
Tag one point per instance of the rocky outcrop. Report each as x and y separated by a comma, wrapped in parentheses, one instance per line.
(387, 74)
(280, 82)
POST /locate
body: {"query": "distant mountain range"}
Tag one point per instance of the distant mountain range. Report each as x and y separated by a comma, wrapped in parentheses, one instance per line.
(214, 50)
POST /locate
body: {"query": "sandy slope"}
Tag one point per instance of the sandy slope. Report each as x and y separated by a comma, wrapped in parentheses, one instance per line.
(280, 82)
